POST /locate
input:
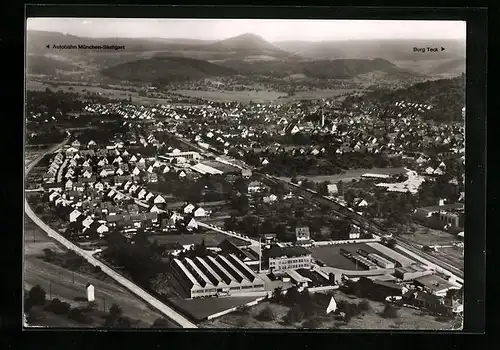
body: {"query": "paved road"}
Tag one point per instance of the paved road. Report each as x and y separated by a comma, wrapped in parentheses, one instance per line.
(164, 309)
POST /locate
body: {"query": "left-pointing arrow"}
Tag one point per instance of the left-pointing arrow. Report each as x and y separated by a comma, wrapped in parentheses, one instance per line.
(48, 46)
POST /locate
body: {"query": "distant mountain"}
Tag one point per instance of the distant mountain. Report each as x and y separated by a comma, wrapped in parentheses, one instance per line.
(391, 50)
(250, 43)
(37, 41)
(166, 69)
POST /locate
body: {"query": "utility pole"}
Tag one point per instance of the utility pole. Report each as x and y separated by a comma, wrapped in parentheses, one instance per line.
(73, 273)
(104, 304)
(50, 291)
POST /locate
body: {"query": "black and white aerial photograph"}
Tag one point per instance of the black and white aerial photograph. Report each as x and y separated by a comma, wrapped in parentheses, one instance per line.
(244, 174)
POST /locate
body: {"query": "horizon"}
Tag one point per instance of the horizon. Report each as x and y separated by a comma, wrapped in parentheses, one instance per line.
(269, 30)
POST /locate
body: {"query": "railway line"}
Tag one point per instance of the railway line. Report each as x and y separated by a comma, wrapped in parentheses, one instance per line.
(345, 212)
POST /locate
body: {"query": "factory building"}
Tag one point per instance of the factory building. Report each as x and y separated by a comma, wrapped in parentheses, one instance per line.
(281, 259)
(213, 276)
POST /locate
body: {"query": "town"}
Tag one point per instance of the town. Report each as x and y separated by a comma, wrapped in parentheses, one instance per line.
(244, 174)
(193, 202)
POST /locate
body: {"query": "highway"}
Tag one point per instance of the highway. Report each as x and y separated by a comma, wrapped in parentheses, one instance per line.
(164, 309)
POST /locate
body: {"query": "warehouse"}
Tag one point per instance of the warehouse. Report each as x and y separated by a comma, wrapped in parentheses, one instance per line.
(213, 276)
(410, 272)
(380, 261)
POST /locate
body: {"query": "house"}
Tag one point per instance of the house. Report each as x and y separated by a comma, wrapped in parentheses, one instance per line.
(332, 189)
(246, 173)
(87, 174)
(99, 186)
(142, 194)
(362, 203)
(69, 185)
(87, 222)
(199, 212)
(166, 169)
(192, 224)
(181, 174)
(188, 209)
(133, 209)
(159, 200)
(149, 197)
(48, 177)
(119, 171)
(53, 196)
(136, 171)
(152, 177)
(302, 233)
(155, 209)
(74, 215)
(271, 198)
(255, 186)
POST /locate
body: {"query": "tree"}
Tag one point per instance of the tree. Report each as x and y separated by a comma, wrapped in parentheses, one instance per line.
(77, 315)
(48, 254)
(278, 294)
(266, 315)
(115, 310)
(58, 307)
(389, 312)
(124, 322)
(292, 296)
(37, 295)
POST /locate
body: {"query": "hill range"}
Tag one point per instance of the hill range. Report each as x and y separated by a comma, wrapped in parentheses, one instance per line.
(157, 59)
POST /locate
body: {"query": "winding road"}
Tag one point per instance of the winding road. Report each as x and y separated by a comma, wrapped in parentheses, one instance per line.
(87, 255)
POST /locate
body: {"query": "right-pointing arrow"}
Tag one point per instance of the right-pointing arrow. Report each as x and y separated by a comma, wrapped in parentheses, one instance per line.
(442, 48)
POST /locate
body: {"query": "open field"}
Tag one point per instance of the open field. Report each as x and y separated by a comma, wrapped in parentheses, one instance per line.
(227, 96)
(58, 281)
(349, 175)
(330, 255)
(35, 240)
(408, 319)
(200, 308)
(426, 236)
(110, 93)
(317, 94)
(212, 239)
(452, 255)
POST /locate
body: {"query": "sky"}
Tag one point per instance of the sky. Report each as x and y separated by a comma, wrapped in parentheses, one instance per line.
(271, 30)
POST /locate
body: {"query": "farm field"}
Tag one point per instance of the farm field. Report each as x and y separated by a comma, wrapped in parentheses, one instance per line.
(426, 236)
(317, 94)
(212, 239)
(406, 318)
(111, 93)
(69, 286)
(241, 96)
(348, 175)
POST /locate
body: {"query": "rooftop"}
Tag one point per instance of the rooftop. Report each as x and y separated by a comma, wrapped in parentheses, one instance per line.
(276, 252)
